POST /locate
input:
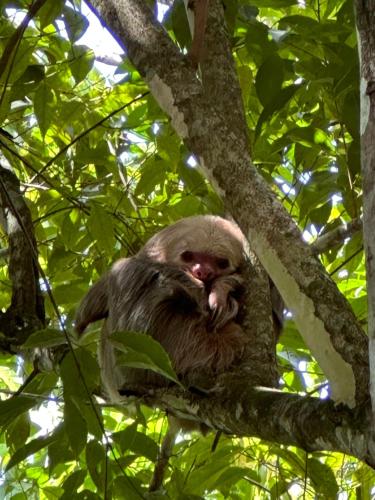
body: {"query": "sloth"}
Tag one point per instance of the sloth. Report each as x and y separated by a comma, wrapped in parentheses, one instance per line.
(185, 289)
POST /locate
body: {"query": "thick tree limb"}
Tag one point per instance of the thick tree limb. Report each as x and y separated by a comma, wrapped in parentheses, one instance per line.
(310, 423)
(365, 11)
(322, 314)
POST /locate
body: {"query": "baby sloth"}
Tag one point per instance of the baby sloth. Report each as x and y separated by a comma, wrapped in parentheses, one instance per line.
(184, 288)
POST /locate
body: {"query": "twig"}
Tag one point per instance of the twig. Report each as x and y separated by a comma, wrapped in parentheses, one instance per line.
(164, 454)
(200, 8)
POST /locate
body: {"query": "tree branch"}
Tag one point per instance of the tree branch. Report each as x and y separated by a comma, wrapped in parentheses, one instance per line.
(26, 311)
(336, 237)
(312, 424)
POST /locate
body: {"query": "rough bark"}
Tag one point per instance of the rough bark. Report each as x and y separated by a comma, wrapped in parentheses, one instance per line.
(365, 11)
(322, 314)
(260, 364)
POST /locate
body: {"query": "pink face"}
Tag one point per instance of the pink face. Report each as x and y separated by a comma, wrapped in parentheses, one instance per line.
(203, 266)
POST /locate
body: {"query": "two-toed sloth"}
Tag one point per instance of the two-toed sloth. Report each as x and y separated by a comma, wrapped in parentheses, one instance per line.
(184, 288)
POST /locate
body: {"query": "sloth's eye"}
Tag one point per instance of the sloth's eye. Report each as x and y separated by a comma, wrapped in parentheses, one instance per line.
(222, 263)
(187, 256)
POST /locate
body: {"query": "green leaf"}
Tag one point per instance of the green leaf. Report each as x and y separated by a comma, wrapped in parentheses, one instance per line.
(206, 476)
(136, 116)
(101, 228)
(317, 191)
(323, 478)
(81, 393)
(28, 81)
(359, 306)
(276, 104)
(82, 61)
(193, 179)
(75, 23)
(49, 337)
(75, 426)
(74, 481)
(42, 383)
(142, 351)
(59, 451)
(44, 107)
(128, 487)
(13, 407)
(245, 77)
(96, 463)
(230, 477)
(49, 11)
(72, 376)
(351, 112)
(230, 11)
(86, 495)
(152, 174)
(137, 442)
(169, 145)
(29, 449)
(180, 23)
(277, 4)
(18, 431)
(300, 24)
(269, 79)
(257, 38)
(71, 292)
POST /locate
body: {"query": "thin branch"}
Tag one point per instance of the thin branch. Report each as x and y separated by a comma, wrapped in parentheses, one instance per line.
(336, 236)
(164, 455)
(27, 301)
(200, 9)
(109, 60)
